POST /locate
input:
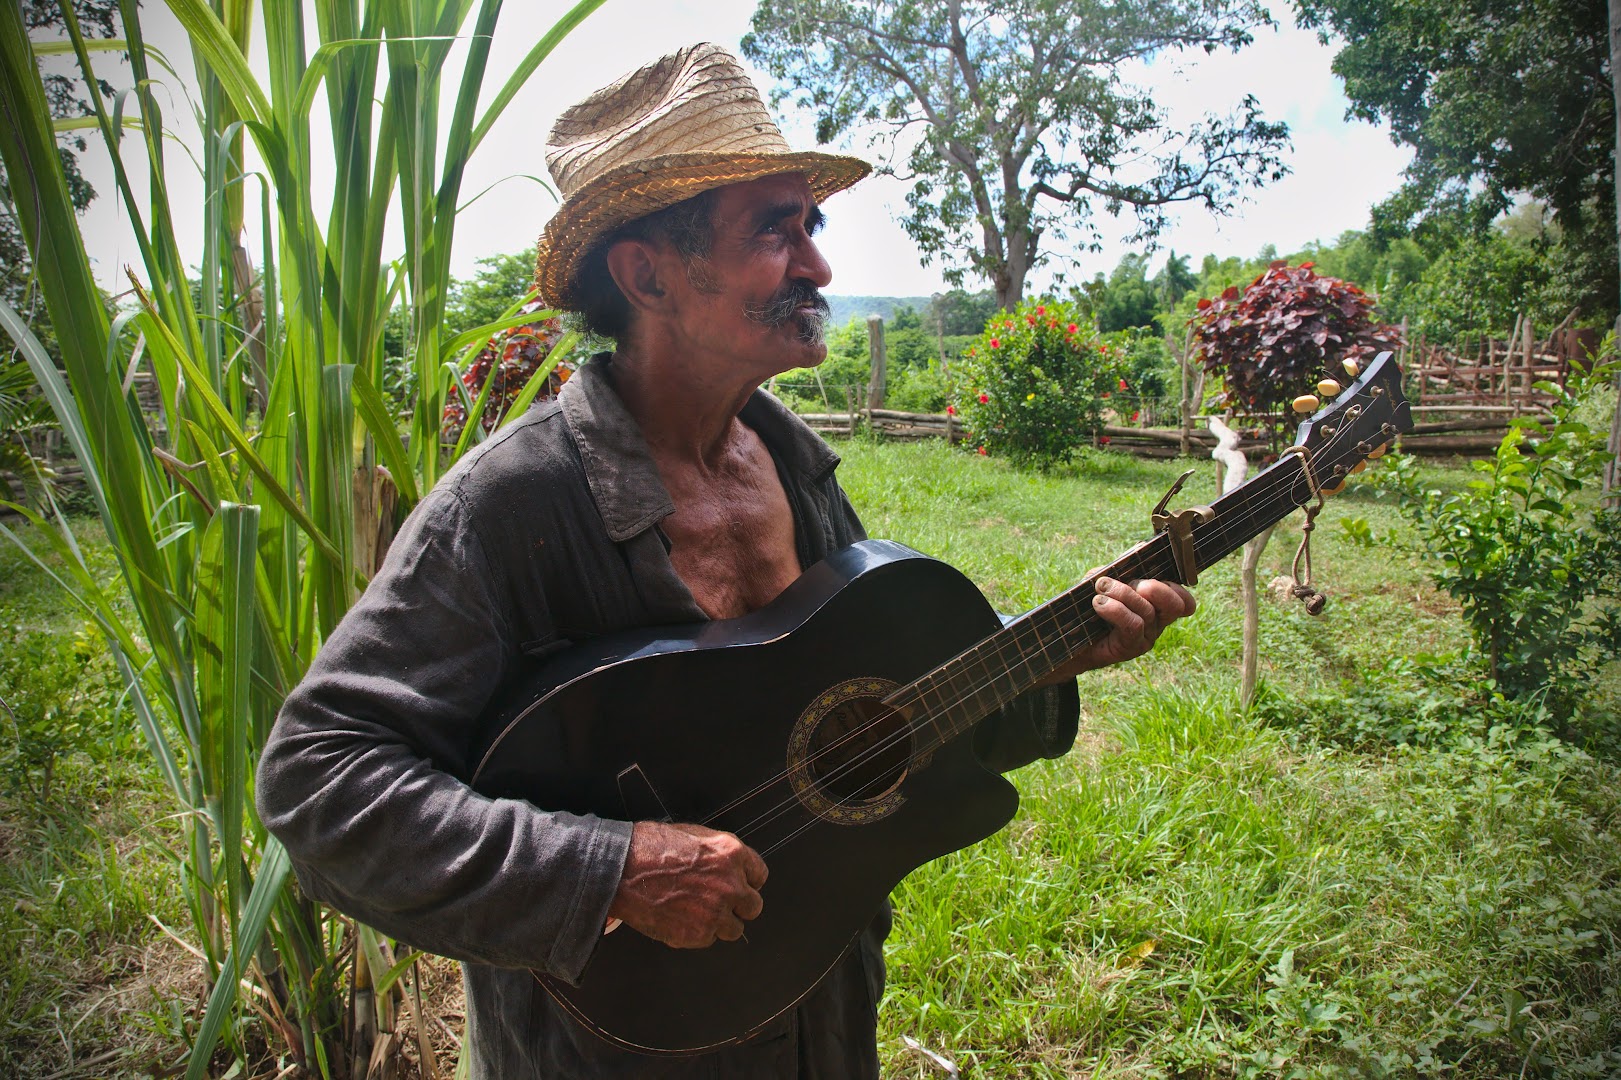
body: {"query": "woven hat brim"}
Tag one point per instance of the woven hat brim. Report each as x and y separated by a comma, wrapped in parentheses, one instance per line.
(636, 190)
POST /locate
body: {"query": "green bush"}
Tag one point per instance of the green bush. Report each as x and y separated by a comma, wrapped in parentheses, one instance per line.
(1529, 553)
(1436, 702)
(918, 389)
(58, 695)
(1035, 383)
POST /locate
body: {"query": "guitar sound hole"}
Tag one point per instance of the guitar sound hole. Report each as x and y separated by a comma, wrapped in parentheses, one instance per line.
(860, 751)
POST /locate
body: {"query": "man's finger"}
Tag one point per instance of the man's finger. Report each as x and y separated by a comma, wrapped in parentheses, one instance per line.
(1138, 611)
(754, 869)
(749, 906)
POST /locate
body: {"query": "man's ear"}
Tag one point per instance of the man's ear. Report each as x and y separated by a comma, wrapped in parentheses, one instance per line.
(638, 267)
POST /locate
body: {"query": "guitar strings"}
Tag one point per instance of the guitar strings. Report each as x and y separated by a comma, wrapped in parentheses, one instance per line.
(1223, 530)
(1244, 506)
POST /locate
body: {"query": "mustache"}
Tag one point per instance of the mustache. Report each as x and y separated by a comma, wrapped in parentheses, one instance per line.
(788, 304)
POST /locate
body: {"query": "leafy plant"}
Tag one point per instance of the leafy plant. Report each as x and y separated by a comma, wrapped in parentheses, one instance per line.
(1527, 550)
(493, 384)
(1289, 329)
(1035, 384)
(58, 696)
(248, 524)
(23, 413)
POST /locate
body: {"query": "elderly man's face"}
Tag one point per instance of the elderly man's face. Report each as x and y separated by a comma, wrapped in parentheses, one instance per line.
(759, 293)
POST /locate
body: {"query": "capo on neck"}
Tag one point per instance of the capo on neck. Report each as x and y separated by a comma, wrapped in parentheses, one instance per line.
(1179, 527)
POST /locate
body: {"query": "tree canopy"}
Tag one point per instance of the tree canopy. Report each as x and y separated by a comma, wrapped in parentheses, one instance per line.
(65, 94)
(1498, 98)
(1013, 120)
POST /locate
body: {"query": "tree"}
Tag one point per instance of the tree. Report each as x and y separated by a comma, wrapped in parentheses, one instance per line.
(500, 282)
(1496, 97)
(958, 312)
(1174, 281)
(1012, 120)
(64, 95)
(1128, 299)
(1274, 341)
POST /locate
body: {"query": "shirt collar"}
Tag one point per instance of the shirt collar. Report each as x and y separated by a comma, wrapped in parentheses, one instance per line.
(619, 468)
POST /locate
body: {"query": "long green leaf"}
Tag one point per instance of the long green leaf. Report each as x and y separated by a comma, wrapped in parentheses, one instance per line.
(526, 67)
(526, 396)
(240, 541)
(483, 333)
(274, 870)
(65, 48)
(209, 37)
(234, 434)
(374, 411)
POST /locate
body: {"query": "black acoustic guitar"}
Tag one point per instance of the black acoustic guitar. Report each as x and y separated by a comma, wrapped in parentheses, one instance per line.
(825, 731)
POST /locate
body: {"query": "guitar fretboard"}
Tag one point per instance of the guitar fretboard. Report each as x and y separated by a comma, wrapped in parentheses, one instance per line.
(950, 700)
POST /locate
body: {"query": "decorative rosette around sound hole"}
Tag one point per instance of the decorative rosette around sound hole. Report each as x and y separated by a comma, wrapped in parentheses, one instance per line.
(849, 753)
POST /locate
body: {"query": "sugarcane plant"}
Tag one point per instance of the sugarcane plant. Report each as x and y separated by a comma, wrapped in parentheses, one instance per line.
(249, 512)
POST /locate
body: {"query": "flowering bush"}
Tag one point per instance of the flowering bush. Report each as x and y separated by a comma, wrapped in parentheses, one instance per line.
(510, 358)
(1034, 385)
(1290, 328)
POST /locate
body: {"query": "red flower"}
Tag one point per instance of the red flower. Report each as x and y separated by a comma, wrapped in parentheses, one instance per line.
(951, 410)
(984, 399)
(1031, 319)
(1103, 440)
(1123, 385)
(1041, 310)
(1104, 394)
(1071, 328)
(982, 452)
(996, 343)
(1134, 416)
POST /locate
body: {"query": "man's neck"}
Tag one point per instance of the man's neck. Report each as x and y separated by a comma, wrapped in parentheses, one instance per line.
(685, 412)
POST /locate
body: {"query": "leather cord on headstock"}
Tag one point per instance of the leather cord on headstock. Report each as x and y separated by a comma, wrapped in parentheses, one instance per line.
(1302, 588)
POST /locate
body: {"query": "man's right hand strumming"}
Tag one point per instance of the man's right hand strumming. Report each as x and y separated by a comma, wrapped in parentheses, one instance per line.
(688, 886)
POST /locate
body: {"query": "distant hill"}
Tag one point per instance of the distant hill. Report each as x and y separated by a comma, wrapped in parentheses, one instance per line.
(846, 308)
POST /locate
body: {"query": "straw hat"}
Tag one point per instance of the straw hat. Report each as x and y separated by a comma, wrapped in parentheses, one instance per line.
(686, 123)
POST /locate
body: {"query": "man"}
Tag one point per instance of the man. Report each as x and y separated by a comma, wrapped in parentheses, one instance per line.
(660, 487)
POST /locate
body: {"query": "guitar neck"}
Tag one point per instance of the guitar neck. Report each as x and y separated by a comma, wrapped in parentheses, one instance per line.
(953, 698)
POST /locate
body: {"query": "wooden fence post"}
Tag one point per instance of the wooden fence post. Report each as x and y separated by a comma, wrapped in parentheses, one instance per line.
(1186, 445)
(875, 348)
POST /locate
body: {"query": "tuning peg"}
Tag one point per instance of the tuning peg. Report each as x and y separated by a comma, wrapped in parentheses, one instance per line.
(1328, 388)
(1378, 452)
(1359, 466)
(1351, 368)
(1333, 488)
(1306, 403)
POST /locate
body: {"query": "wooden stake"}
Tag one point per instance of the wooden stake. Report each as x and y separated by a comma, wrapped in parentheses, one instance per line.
(875, 349)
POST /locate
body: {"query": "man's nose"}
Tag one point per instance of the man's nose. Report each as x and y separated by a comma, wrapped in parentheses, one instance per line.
(809, 265)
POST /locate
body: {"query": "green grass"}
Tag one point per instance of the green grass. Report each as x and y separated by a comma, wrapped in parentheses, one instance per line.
(89, 984)
(1192, 892)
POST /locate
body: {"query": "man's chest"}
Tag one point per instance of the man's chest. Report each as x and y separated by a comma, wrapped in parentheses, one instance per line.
(734, 557)
(732, 538)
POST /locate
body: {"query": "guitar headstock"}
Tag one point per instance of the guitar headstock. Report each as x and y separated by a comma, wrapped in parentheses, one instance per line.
(1357, 426)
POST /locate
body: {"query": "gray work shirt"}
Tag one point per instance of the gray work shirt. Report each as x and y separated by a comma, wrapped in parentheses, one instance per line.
(547, 534)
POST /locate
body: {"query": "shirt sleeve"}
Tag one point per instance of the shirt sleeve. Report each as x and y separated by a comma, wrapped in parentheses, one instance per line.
(1039, 723)
(359, 778)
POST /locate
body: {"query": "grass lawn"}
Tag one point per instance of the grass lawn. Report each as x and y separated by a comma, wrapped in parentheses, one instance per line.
(1192, 892)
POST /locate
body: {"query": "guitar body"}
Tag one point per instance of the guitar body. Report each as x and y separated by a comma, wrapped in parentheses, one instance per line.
(745, 725)
(774, 727)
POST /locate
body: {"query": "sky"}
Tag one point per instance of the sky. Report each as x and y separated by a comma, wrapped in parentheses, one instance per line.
(1339, 168)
